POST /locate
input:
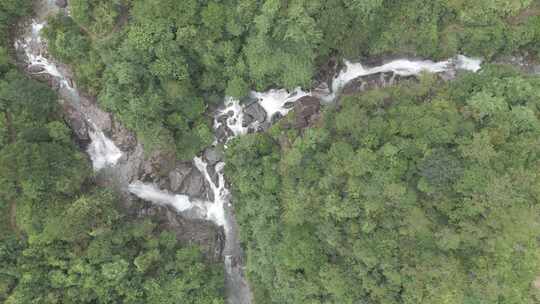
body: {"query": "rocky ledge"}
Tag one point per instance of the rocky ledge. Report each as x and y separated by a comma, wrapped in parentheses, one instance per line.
(207, 236)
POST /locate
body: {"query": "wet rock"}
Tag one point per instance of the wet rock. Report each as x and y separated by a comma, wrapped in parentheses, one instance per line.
(248, 100)
(276, 117)
(61, 3)
(447, 75)
(122, 137)
(213, 155)
(322, 90)
(256, 111)
(193, 185)
(44, 77)
(373, 81)
(76, 121)
(178, 175)
(247, 120)
(208, 194)
(264, 126)
(103, 120)
(326, 73)
(214, 176)
(207, 236)
(223, 133)
(289, 105)
(223, 118)
(35, 69)
(306, 108)
(158, 165)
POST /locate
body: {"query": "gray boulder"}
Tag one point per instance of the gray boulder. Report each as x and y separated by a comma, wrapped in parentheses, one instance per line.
(61, 3)
(76, 121)
(35, 69)
(306, 108)
(373, 81)
(178, 175)
(213, 175)
(276, 117)
(213, 155)
(193, 185)
(256, 111)
(223, 133)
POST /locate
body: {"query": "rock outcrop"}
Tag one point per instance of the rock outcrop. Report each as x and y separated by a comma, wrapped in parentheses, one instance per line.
(306, 111)
(254, 112)
(205, 234)
(76, 122)
(373, 81)
(61, 3)
(213, 155)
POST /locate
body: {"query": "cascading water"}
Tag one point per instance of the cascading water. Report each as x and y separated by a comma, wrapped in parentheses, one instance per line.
(102, 151)
(151, 193)
(275, 101)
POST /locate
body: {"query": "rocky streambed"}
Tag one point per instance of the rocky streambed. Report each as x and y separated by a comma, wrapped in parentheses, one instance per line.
(192, 198)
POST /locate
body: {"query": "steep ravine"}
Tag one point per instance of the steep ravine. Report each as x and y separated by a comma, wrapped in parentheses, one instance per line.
(197, 190)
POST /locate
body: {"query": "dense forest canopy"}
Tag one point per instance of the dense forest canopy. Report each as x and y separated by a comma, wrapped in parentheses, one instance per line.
(159, 64)
(64, 240)
(427, 192)
(423, 193)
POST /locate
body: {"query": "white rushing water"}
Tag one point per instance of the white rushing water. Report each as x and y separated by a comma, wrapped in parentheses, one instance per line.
(215, 211)
(234, 121)
(279, 101)
(212, 211)
(468, 64)
(403, 67)
(32, 45)
(150, 192)
(102, 151)
(274, 101)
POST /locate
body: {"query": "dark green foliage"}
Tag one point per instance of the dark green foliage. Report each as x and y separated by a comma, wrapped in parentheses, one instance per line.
(426, 193)
(62, 246)
(68, 44)
(89, 254)
(61, 240)
(159, 64)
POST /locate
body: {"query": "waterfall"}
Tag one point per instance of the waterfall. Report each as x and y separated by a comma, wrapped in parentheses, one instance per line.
(152, 193)
(102, 151)
(279, 101)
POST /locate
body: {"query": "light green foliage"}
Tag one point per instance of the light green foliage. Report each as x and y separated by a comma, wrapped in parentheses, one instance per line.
(98, 17)
(152, 60)
(68, 44)
(60, 245)
(89, 254)
(425, 193)
(61, 240)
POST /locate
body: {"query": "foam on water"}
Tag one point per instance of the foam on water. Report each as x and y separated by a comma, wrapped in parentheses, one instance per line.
(215, 211)
(274, 101)
(468, 64)
(103, 152)
(152, 193)
(234, 122)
